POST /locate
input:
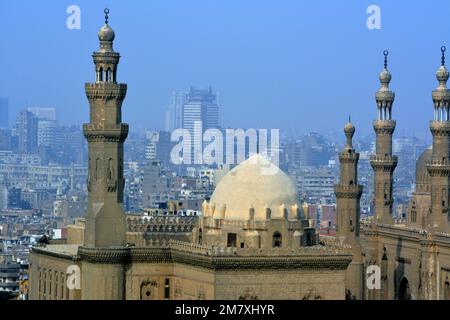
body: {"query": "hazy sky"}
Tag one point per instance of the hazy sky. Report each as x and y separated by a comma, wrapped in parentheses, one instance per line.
(294, 65)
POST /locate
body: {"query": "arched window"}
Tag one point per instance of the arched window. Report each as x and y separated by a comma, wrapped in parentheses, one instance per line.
(404, 292)
(100, 74)
(108, 74)
(200, 236)
(276, 240)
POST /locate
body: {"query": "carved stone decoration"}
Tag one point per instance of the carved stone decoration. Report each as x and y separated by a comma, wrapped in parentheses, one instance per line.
(248, 294)
(148, 291)
(312, 294)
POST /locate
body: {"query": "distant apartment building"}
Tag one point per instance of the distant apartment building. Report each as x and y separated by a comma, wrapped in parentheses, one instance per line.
(47, 131)
(3, 197)
(26, 131)
(47, 125)
(154, 184)
(311, 150)
(4, 112)
(22, 175)
(9, 276)
(316, 185)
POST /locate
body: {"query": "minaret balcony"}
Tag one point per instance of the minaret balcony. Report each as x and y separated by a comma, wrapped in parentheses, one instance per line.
(105, 132)
(384, 126)
(440, 128)
(384, 97)
(348, 191)
(106, 90)
(386, 163)
(438, 167)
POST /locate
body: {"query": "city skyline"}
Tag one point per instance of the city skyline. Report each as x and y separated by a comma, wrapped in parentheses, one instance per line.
(279, 76)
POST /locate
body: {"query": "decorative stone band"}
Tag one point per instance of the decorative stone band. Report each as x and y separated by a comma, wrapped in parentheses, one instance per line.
(105, 132)
(383, 163)
(106, 58)
(384, 98)
(229, 262)
(217, 258)
(105, 255)
(106, 90)
(42, 250)
(384, 126)
(352, 192)
(440, 128)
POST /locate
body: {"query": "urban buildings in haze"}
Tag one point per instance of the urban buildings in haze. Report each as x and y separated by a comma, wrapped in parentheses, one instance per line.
(4, 113)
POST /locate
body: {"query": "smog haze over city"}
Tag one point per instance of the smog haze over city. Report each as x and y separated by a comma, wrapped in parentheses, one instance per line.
(297, 65)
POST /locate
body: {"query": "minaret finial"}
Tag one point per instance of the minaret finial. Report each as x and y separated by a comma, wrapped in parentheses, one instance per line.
(106, 11)
(349, 118)
(385, 53)
(443, 48)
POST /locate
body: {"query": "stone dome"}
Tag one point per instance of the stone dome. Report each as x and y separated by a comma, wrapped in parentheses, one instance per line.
(423, 182)
(256, 183)
(106, 33)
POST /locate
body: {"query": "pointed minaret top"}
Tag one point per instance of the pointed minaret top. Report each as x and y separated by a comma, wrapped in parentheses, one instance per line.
(349, 131)
(106, 34)
(442, 74)
(385, 75)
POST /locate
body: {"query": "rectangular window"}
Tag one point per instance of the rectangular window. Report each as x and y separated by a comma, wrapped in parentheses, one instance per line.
(231, 240)
(167, 289)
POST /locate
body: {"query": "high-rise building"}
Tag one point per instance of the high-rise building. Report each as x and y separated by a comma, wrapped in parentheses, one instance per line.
(174, 114)
(200, 113)
(27, 132)
(44, 113)
(201, 105)
(47, 125)
(5, 138)
(4, 112)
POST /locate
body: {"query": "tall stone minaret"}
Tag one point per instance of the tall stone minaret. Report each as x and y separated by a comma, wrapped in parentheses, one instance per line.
(383, 162)
(348, 194)
(105, 219)
(104, 253)
(439, 167)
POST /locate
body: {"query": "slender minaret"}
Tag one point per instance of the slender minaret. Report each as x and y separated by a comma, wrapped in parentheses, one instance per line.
(439, 166)
(105, 219)
(383, 162)
(348, 194)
